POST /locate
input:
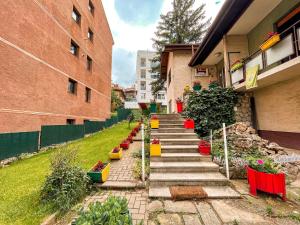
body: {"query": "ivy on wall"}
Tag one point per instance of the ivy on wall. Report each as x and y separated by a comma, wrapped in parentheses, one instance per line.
(210, 108)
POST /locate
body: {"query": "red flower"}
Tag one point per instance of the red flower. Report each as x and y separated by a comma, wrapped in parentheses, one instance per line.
(155, 141)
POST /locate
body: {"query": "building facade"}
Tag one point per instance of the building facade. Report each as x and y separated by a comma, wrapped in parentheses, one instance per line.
(55, 63)
(238, 33)
(144, 77)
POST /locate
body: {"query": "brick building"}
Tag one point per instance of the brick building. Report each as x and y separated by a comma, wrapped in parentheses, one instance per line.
(55, 63)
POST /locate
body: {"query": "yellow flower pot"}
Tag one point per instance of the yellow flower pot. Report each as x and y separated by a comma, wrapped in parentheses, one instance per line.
(154, 124)
(155, 150)
(117, 155)
(270, 42)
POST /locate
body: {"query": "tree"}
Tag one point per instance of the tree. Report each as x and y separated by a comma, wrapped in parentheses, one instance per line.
(182, 25)
(115, 101)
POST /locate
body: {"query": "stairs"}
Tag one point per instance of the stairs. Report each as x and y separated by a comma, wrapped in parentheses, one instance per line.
(181, 164)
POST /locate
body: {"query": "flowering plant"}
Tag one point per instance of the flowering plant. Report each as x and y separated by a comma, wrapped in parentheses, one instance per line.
(271, 34)
(155, 142)
(100, 166)
(265, 165)
(197, 83)
(154, 117)
(116, 150)
(178, 100)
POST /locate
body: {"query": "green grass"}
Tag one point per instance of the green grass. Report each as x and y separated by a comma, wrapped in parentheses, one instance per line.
(20, 183)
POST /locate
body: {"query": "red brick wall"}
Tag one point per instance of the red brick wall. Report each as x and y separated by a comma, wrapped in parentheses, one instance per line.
(35, 63)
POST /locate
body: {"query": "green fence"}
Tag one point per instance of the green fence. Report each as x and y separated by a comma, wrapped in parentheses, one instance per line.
(60, 133)
(93, 126)
(14, 144)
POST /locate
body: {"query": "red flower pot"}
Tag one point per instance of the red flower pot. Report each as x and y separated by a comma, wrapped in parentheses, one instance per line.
(124, 144)
(189, 124)
(179, 107)
(133, 133)
(136, 129)
(204, 148)
(271, 183)
(130, 139)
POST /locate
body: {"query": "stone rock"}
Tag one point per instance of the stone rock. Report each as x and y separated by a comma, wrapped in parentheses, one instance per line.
(207, 214)
(169, 219)
(191, 220)
(180, 207)
(155, 206)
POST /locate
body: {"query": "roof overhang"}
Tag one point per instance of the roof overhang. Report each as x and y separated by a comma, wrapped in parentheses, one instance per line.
(173, 48)
(227, 17)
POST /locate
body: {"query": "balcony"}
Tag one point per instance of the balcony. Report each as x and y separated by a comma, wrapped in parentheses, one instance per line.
(278, 63)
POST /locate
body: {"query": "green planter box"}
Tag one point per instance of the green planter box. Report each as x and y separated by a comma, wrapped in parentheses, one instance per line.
(99, 176)
(153, 108)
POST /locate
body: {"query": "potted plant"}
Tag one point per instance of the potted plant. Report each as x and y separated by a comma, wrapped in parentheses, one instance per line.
(130, 139)
(189, 123)
(155, 148)
(273, 38)
(125, 144)
(197, 86)
(187, 89)
(263, 175)
(179, 104)
(204, 147)
(99, 172)
(154, 122)
(153, 107)
(116, 153)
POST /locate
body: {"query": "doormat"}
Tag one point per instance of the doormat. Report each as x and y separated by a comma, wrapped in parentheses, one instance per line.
(187, 192)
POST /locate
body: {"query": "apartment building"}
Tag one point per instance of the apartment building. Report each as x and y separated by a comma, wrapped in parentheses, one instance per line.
(55, 63)
(144, 77)
(237, 33)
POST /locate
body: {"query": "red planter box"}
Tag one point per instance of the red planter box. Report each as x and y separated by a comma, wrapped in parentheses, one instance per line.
(204, 148)
(189, 124)
(136, 129)
(271, 183)
(133, 133)
(124, 145)
(179, 107)
(130, 139)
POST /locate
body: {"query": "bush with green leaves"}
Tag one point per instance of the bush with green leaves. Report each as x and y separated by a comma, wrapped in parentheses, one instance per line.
(210, 108)
(265, 165)
(67, 184)
(114, 211)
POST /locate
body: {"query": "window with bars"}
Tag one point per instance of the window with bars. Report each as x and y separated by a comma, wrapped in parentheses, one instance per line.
(76, 15)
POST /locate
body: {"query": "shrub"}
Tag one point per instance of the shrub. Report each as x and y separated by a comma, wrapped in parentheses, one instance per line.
(113, 211)
(210, 108)
(67, 184)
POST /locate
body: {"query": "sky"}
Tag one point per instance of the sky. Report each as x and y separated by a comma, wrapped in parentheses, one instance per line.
(133, 23)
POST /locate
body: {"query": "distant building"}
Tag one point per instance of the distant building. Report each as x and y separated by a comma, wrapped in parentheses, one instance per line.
(119, 91)
(144, 77)
(130, 94)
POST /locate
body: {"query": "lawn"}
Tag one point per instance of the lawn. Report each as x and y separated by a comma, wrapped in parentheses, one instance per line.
(20, 183)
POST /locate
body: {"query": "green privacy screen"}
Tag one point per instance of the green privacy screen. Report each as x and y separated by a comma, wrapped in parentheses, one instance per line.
(60, 133)
(14, 144)
(123, 114)
(93, 126)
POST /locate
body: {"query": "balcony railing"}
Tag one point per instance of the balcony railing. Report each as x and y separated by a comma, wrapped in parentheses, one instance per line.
(287, 49)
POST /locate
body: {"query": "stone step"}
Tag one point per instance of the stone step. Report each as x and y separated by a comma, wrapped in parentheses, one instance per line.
(172, 130)
(181, 157)
(179, 149)
(213, 192)
(174, 135)
(179, 141)
(165, 121)
(183, 167)
(203, 179)
(170, 125)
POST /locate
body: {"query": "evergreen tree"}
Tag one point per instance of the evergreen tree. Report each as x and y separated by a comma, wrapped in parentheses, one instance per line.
(182, 25)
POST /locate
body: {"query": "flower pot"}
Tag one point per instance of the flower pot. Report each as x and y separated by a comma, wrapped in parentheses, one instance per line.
(270, 42)
(204, 148)
(179, 107)
(99, 176)
(155, 149)
(154, 123)
(124, 145)
(153, 108)
(270, 183)
(130, 139)
(136, 129)
(189, 124)
(133, 133)
(117, 155)
(197, 88)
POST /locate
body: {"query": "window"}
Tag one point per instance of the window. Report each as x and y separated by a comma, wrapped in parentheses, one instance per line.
(143, 95)
(154, 76)
(143, 73)
(143, 85)
(76, 15)
(143, 62)
(91, 7)
(87, 94)
(89, 63)
(72, 87)
(160, 96)
(71, 121)
(90, 35)
(74, 49)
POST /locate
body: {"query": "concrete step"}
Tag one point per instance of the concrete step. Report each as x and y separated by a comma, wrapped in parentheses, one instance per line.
(181, 157)
(170, 125)
(172, 130)
(174, 135)
(203, 179)
(183, 167)
(171, 121)
(213, 192)
(179, 149)
(179, 141)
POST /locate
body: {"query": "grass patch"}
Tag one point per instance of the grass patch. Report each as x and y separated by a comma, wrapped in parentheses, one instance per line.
(20, 183)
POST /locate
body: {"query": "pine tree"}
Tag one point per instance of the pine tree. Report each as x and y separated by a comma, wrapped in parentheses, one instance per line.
(181, 25)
